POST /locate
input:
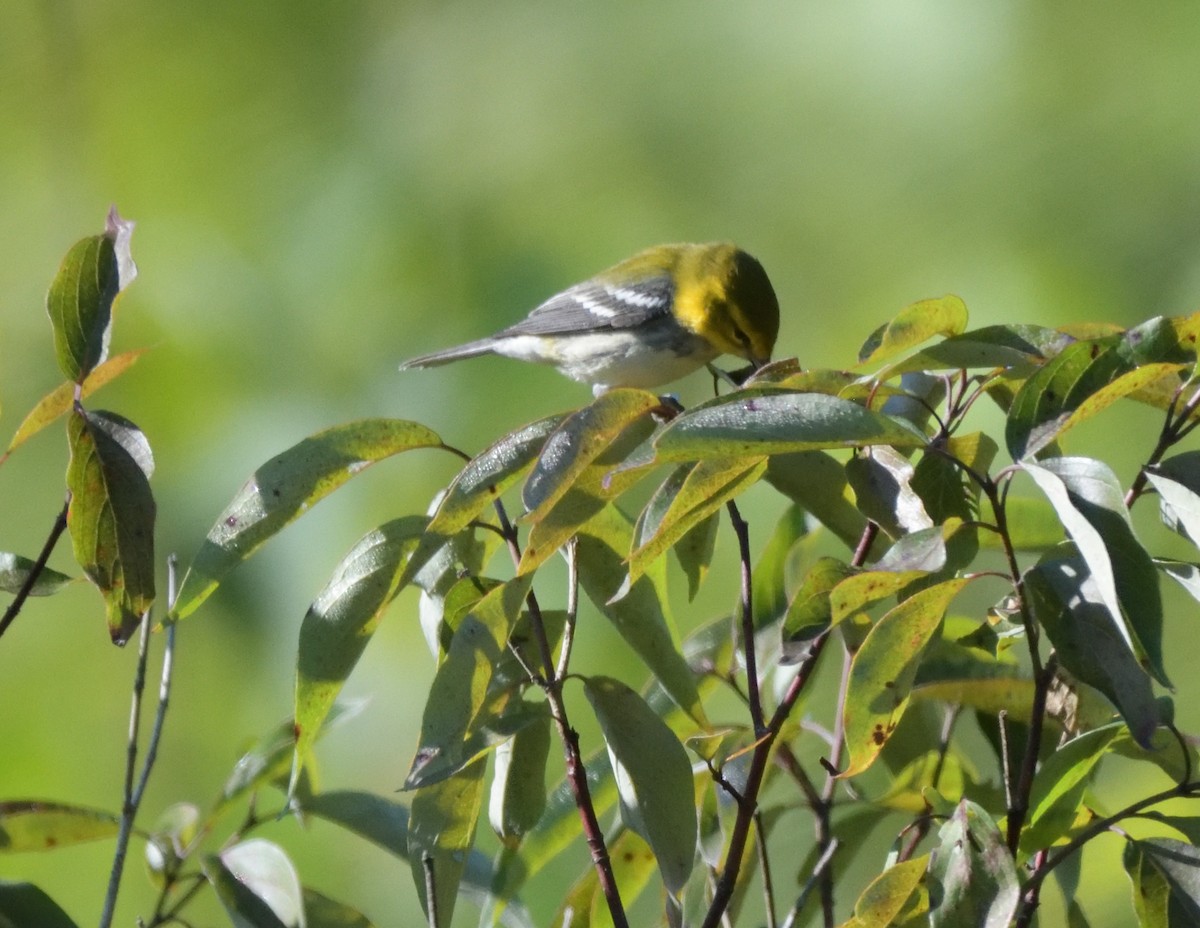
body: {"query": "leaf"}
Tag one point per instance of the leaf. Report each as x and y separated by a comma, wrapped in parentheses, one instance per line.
(810, 612)
(257, 884)
(81, 296)
(15, 571)
(946, 491)
(441, 834)
(1058, 787)
(1185, 573)
(1067, 603)
(1152, 902)
(1087, 497)
(1177, 480)
(884, 669)
(577, 442)
(769, 579)
(706, 488)
(341, 621)
(654, 777)
(58, 401)
(490, 473)
(460, 702)
(1084, 379)
(694, 551)
(888, 894)
(1179, 864)
(914, 324)
(285, 488)
(323, 912)
(111, 514)
(778, 423)
(973, 880)
(24, 904)
(642, 613)
(584, 905)
(1032, 522)
(817, 482)
(518, 796)
(385, 824)
(881, 480)
(33, 825)
(995, 346)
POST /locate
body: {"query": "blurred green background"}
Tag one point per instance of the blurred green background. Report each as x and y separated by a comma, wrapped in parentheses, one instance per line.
(323, 189)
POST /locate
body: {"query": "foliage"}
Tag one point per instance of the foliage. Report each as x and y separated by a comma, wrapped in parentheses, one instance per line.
(1014, 593)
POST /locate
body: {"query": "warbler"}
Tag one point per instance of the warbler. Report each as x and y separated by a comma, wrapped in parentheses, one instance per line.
(644, 322)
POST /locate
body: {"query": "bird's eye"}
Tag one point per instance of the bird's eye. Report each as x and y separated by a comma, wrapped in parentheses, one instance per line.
(742, 338)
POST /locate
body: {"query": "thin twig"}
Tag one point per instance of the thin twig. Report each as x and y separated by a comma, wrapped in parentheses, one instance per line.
(806, 890)
(753, 695)
(431, 906)
(564, 651)
(825, 809)
(56, 530)
(760, 839)
(575, 770)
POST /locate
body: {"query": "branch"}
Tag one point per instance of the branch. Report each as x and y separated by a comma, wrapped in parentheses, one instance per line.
(56, 530)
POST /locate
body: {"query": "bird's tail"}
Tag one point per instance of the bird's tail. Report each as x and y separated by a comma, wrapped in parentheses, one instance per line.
(457, 353)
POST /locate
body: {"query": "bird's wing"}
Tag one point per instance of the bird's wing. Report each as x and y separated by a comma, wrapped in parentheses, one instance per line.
(598, 304)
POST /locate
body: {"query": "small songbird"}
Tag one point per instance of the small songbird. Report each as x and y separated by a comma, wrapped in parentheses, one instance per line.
(644, 322)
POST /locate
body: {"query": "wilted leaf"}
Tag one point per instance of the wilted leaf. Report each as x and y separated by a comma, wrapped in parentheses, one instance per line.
(285, 488)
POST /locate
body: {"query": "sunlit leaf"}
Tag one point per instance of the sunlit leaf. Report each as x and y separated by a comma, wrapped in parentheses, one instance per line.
(111, 515)
(59, 400)
(1177, 480)
(884, 669)
(33, 825)
(257, 884)
(285, 488)
(654, 777)
(881, 480)
(973, 880)
(1088, 498)
(889, 893)
(341, 621)
(81, 296)
(810, 612)
(584, 904)
(1058, 787)
(914, 324)
(488, 474)
(995, 346)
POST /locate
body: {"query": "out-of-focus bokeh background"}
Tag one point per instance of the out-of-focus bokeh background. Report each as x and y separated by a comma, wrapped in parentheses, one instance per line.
(324, 189)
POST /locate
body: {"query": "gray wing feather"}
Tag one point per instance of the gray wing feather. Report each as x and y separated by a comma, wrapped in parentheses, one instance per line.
(597, 305)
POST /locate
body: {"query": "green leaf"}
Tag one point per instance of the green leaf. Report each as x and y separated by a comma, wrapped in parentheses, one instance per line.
(518, 796)
(33, 825)
(1179, 864)
(817, 482)
(706, 488)
(914, 324)
(323, 912)
(1087, 497)
(341, 621)
(578, 442)
(1032, 523)
(995, 346)
(1067, 603)
(769, 579)
(947, 492)
(285, 488)
(15, 571)
(884, 669)
(641, 611)
(257, 884)
(654, 777)
(779, 422)
(461, 703)
(810, 612)
(81, 296)
(23, 904)
(58, 401)
(889, 894)
(1177, 480)
(441, 834)
(1084, 379)
(1058, 787)
(975, 882)
(1185, 573)
(490, 473)
(584, 905)
(694, 551)
(111, 514)
(1152, 900)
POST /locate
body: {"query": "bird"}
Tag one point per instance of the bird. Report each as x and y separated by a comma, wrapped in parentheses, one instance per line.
(647, 321)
